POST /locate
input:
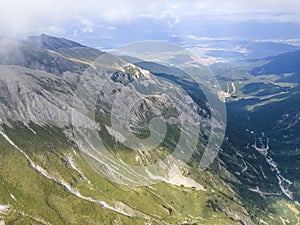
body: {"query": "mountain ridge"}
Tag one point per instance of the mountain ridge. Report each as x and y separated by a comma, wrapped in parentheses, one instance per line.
(282, 64)
(51, 43)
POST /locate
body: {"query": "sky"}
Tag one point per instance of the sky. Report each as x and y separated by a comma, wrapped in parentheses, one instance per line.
(105, 20)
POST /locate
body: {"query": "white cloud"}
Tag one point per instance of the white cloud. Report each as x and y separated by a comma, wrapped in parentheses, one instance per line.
(87, 25)
(30, 16)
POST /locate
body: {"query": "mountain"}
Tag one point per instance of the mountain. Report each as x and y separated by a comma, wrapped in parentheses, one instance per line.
(51, 43)
(93, 139)
(235, 50)
(29, 56)
(266, 49)
(286, 63)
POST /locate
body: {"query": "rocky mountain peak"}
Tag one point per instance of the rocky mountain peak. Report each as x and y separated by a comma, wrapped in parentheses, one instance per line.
(51, 43)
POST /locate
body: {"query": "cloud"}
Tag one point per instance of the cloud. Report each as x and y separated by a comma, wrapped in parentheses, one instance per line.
(87, 25)
(32, 16)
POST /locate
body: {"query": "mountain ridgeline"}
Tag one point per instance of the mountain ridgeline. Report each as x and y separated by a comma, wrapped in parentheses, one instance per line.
(58, 98)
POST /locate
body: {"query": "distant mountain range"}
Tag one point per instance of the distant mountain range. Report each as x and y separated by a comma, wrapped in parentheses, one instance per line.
(287, 63)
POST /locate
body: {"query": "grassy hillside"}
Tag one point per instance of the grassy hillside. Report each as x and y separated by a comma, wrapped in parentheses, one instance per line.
(34, 198)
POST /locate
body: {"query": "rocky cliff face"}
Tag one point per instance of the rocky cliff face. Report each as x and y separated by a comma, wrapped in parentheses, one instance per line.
(34, 96)
(122, 102)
